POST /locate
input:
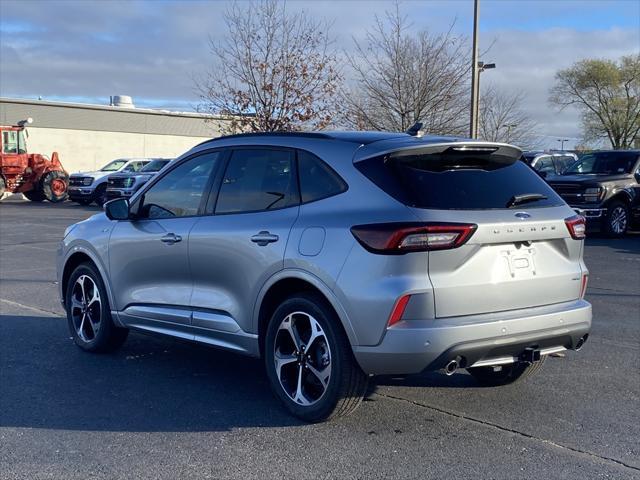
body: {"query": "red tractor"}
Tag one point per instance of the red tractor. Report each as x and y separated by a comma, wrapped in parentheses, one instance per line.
(32, 174)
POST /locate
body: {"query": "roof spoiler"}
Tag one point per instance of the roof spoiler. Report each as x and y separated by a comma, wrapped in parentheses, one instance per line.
(497, 152)
(461, 155)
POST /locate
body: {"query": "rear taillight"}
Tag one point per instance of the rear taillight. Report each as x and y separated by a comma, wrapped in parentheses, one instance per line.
(398, 238)
(583, 284)
(577, 226)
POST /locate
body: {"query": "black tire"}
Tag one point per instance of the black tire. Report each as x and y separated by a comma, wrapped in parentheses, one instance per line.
(347, 383)
(100, 195)
(34, 195)
(48, 191)
(508, 374)
(84, 202)
(617, 221)
(2, 187)
(106, 337)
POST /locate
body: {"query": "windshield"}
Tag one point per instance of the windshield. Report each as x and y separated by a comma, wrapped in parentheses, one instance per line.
(114, 166)
(154, 165)
(603, 163)
(22, 143)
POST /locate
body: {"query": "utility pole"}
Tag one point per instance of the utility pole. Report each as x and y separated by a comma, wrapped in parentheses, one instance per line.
(473, 128)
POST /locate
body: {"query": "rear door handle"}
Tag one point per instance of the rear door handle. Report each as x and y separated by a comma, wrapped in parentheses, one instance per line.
(171, 238)
(264, 238)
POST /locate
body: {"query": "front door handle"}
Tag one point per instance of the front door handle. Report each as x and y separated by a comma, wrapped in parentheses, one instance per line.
(171, 238)
(264, 238)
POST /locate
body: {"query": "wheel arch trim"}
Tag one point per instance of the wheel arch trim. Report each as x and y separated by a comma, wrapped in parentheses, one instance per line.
(81, 250)
(620, 194)
(315, 282)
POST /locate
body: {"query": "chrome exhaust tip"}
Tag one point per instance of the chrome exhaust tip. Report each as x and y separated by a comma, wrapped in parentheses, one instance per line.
(451, 367)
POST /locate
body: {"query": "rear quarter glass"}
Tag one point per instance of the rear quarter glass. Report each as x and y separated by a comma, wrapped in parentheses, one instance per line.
(422, 184)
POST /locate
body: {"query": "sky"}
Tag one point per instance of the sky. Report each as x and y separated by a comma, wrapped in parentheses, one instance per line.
(87, 50)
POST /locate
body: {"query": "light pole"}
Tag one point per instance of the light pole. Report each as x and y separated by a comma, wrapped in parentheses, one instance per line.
(475, 76)
(509, 126)
(476, 68)
(562, 140)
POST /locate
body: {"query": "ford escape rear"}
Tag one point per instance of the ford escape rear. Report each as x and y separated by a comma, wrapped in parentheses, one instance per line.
(337, 256)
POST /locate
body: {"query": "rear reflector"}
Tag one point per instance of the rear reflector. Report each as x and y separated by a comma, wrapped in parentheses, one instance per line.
(398, 310)
(577, 226)
(399, 238)
(583, 285)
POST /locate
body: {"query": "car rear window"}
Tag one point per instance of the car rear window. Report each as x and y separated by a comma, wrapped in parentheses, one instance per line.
(469, 183)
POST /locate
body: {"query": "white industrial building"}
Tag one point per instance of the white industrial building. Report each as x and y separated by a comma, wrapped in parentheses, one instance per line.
(88, 136)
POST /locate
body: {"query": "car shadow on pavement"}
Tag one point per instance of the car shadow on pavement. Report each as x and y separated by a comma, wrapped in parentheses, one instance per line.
(151, 384)
(629, 244)
(436, 379)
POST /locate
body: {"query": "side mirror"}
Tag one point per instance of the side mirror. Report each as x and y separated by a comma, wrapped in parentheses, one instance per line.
(543, 174)
(117, 209)
(637, 175)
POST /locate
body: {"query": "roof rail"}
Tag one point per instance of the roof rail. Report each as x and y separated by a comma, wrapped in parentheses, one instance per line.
(269, 134)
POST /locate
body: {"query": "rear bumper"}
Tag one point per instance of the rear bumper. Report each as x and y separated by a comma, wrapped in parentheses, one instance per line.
(418, 345)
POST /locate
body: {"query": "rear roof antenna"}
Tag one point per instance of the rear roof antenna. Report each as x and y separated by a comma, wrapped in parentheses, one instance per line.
(416, 130)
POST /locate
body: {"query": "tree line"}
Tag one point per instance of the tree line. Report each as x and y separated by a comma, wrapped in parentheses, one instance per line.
(276, 71)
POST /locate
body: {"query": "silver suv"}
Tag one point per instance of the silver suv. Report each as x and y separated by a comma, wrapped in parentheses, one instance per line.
(335, 257)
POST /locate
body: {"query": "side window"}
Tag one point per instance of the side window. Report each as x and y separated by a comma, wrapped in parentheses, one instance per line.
(180, 192)
(256, 180)
(317, 180)
(545, 164)
(10, 141)
(137, 166)
(564, 162)
(129, 168)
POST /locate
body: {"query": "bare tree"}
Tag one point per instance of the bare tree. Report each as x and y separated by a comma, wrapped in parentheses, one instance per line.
(273, 71)
(403, 77)
(502, 119)
(607, 93)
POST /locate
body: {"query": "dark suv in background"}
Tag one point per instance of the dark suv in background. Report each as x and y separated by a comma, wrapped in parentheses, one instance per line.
(604, 187)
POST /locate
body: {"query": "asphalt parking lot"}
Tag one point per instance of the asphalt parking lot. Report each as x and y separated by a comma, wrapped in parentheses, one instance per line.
(159, 408)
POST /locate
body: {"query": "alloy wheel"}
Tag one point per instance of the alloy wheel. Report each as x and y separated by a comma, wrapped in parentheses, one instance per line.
(618, 220)
(86, 308)
(302, 358)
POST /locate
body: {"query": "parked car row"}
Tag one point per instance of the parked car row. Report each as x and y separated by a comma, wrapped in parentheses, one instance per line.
(88, 187)
(125, 184)
(603, 186)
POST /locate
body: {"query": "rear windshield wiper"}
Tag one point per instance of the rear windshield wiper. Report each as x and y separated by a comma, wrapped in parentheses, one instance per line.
(525, 198)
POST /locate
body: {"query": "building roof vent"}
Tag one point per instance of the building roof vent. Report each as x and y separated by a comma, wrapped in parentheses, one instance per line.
(123, 101)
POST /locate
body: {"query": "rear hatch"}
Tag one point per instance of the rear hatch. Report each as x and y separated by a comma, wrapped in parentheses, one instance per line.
(521, 253)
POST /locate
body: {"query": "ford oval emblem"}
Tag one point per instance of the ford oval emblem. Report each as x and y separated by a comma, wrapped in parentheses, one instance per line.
(523, 215)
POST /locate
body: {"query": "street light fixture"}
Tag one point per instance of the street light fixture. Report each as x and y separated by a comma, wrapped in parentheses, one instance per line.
(475, 97)
(562, 140)
(476, 68)
(509, 126)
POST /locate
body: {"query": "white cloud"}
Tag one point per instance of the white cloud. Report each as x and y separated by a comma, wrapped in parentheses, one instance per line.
(528, 61)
